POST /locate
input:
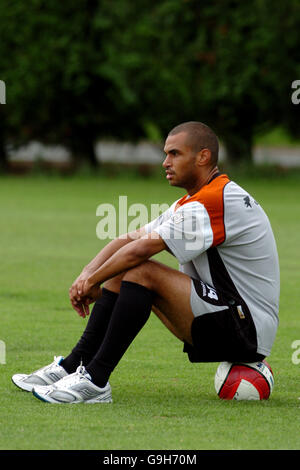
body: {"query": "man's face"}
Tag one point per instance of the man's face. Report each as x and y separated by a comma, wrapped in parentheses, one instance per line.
(180, 161)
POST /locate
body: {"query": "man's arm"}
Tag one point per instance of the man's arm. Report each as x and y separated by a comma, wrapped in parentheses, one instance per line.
(127, 257)
(111, 248)
(81, 303)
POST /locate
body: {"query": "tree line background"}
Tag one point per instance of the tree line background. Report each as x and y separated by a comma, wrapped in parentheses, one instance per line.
(78, 71)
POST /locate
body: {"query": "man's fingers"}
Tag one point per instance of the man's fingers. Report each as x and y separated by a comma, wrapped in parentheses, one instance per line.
(79, 308)
(72, 292)
(86, 309)
(78, 298)
(79, 287)
(76, 290)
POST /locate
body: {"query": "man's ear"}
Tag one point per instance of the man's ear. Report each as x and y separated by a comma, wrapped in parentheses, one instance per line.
(203, 157)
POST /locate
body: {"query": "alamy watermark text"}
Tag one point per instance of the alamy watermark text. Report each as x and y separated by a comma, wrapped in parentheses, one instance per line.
(2, 352)
(296, 94)
(2, 92)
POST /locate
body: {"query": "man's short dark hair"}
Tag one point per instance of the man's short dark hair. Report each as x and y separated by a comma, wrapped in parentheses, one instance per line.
(199, 136)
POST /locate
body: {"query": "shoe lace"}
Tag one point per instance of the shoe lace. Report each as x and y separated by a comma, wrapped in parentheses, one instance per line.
(74, 378)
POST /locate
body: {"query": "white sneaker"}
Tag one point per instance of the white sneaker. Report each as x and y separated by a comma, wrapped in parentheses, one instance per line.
(74, 388)
(45, 376)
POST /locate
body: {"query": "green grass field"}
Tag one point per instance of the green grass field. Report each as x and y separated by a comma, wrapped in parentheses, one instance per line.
(161, 401)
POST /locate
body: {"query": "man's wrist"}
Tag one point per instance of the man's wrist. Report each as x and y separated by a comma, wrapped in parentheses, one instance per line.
(86, 272)
(91, 282)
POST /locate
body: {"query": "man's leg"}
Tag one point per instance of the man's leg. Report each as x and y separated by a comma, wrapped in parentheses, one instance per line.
(84, 350)
(170, 317)
(149, 284)
(93, 335)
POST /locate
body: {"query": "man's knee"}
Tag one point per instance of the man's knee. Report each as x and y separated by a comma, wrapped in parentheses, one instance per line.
(141, 274)
(114, 284)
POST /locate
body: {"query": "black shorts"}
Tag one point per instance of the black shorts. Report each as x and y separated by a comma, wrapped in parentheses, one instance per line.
(224, 335)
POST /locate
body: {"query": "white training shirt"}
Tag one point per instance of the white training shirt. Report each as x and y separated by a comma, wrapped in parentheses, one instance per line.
(223, 220)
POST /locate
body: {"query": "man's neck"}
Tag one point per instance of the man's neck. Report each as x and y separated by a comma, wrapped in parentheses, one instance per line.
(202, 181)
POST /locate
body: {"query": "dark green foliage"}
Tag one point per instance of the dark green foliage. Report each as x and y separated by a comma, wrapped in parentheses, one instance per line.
(77, 71)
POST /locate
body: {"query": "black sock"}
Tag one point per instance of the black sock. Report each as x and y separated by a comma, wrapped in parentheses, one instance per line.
(130, 313)
(93, 334)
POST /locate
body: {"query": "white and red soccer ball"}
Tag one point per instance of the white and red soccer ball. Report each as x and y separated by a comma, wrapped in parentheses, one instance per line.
(244, 381)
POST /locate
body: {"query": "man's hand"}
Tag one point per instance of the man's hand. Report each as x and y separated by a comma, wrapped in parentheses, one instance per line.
(82, 308)
(82, 295)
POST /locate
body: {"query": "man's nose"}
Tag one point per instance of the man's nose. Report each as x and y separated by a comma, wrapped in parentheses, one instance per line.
(166, 162)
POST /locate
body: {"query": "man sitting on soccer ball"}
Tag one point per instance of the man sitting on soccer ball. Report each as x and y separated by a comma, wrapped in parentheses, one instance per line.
(222, 303)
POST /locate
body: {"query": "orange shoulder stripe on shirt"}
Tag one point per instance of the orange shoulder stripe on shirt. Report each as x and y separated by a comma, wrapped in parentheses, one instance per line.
(211, 196)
